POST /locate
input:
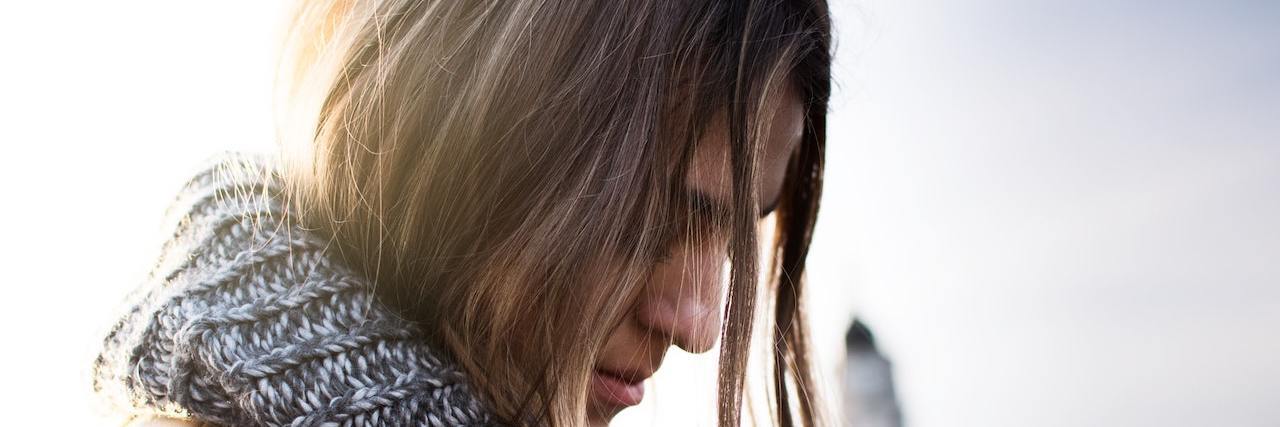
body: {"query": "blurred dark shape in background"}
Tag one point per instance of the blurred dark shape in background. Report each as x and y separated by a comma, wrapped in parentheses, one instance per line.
(869, 397)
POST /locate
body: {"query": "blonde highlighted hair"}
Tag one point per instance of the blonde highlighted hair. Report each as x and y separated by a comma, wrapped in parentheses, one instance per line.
(478, 158)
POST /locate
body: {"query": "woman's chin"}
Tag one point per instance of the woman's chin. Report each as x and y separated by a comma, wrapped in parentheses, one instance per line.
(600, 417)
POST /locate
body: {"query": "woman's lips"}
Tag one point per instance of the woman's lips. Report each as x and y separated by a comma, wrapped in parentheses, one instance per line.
(614, 390)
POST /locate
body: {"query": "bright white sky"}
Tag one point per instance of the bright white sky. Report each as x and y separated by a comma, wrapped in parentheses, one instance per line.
(1051, 213)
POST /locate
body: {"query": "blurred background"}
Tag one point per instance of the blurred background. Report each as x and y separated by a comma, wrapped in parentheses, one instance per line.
(1048, 213)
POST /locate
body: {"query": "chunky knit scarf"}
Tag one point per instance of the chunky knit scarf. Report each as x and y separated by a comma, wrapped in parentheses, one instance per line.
(247, 320)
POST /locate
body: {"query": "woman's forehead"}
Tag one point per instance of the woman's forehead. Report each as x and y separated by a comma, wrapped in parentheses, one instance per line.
(710, 171)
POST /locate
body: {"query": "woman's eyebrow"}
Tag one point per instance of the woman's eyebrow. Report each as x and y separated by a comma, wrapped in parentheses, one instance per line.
(720, 212)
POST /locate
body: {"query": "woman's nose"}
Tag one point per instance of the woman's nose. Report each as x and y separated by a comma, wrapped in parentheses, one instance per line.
(682, 303)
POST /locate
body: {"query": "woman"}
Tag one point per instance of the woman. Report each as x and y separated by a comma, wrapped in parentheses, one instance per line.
(496, 212)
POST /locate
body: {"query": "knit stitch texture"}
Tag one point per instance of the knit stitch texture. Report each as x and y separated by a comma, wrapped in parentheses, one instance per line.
(247, 320)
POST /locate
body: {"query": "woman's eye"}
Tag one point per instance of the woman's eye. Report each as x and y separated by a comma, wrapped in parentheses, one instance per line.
(689, 224)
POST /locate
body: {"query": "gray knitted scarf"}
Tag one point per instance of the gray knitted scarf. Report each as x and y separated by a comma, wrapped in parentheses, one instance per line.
(246, 320)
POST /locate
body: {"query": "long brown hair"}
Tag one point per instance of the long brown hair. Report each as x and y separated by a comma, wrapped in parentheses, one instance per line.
(478, 159)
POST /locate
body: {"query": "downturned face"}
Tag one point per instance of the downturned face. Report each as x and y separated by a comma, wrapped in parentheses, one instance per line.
(681, 303)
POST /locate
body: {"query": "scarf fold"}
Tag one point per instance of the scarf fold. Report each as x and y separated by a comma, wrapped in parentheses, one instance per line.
(248, 320)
